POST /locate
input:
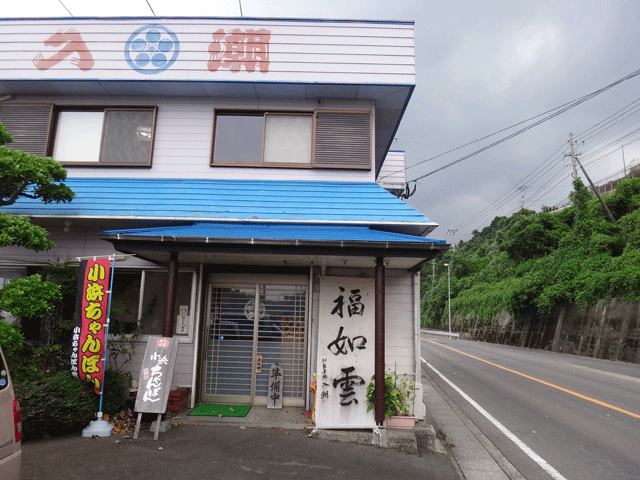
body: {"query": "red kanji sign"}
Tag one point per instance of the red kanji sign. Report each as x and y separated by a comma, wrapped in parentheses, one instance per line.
(90, 332)
(236, 49)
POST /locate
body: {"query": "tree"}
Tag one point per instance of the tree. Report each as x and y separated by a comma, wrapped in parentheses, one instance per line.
(25, 175)
(30, 297)
(530, 235)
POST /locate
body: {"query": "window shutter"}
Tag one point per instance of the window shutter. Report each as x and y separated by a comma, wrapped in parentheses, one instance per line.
(343, 140)
(28, 124)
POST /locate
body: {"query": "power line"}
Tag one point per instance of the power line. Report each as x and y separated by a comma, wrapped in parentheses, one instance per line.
(557, 111)
(548, 179)
(65, 7)
(154, 13)
(512, 192)
(475, 141)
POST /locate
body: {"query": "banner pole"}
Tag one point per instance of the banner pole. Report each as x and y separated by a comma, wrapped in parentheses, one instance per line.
(112, 259)
(100, 427)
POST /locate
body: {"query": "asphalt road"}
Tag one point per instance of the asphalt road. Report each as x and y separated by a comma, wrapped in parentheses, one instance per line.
(219, 452)
(579, 415)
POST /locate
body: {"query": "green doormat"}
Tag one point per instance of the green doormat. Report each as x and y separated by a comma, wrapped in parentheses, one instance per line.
(221, 410)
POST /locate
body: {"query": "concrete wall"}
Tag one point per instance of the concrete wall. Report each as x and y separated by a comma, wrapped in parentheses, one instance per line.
(606, 330)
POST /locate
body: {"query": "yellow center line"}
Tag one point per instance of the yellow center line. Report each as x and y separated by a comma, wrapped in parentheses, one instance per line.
(570, 392)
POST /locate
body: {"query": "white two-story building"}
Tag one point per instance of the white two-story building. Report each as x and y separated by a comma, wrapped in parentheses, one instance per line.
(232, 166)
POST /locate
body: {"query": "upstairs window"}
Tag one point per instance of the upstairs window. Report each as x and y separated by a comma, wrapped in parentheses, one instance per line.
(110, 136)
(284, 139)
(257, 138)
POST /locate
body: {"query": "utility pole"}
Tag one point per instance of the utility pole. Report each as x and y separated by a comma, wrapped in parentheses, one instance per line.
(574, 159)
(453, 233)
(448, 265)
(593, 187)
(624, 164)
(522, 189)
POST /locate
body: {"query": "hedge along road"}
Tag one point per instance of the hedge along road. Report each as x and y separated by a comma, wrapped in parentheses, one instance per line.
(581, 416)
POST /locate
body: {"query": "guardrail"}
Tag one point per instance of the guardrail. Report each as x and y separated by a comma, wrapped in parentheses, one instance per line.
(440, 333)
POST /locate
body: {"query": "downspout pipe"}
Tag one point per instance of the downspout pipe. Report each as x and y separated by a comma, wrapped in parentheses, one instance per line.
(416, 334)
(379, 340)
(170, 300)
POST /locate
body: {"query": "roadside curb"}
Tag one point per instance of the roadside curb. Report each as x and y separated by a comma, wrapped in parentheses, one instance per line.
(418, 440)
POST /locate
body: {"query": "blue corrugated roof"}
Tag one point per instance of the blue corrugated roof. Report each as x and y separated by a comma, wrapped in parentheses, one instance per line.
(272, 231)
(229, 200)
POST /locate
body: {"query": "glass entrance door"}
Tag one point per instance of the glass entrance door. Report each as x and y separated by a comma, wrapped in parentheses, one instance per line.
(250, 328)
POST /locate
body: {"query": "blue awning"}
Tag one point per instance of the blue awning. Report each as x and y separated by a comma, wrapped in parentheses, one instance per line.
(215, 231)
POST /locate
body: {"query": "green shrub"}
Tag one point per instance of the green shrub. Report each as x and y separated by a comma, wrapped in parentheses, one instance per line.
(10, 338)
(55, 404)
(399, 394)
(115, 385)
(30, 296)
(31, 360)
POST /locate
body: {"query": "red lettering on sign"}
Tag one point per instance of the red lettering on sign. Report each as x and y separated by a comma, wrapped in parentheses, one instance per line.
(73, 43)
(236, 49)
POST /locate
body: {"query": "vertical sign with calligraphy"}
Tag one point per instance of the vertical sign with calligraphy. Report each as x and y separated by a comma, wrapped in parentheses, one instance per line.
(276, 382)
(92, 305)
(346, 355)
(156, 373)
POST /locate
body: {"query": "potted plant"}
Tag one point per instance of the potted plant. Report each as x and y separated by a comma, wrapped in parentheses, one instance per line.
(399, 398)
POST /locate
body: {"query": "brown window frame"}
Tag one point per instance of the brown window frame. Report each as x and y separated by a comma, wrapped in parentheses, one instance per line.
(312, 164)
(104, 109)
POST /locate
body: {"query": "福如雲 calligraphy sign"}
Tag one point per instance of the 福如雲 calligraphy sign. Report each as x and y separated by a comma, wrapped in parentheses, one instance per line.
(346, 358)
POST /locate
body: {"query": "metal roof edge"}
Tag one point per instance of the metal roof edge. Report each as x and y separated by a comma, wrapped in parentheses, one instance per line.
(235, 19)
(270, 241)
(238, 220)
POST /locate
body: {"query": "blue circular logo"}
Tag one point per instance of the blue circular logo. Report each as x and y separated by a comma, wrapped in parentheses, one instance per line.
(151, 49)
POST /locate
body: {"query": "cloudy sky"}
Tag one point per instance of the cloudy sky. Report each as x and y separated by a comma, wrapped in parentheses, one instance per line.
(484, 70)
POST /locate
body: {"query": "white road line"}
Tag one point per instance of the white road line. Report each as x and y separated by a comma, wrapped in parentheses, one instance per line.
(533, 455)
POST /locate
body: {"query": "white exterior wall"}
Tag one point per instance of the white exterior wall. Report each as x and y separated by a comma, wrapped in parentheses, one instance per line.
(184, 133)
(392, 173)
(79, 242)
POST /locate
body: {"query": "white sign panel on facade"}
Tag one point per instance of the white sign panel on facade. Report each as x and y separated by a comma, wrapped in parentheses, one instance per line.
(208, 49)
(346, 354)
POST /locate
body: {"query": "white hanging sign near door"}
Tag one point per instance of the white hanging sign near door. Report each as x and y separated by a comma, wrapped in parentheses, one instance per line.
(346, 354)
(276, 381)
